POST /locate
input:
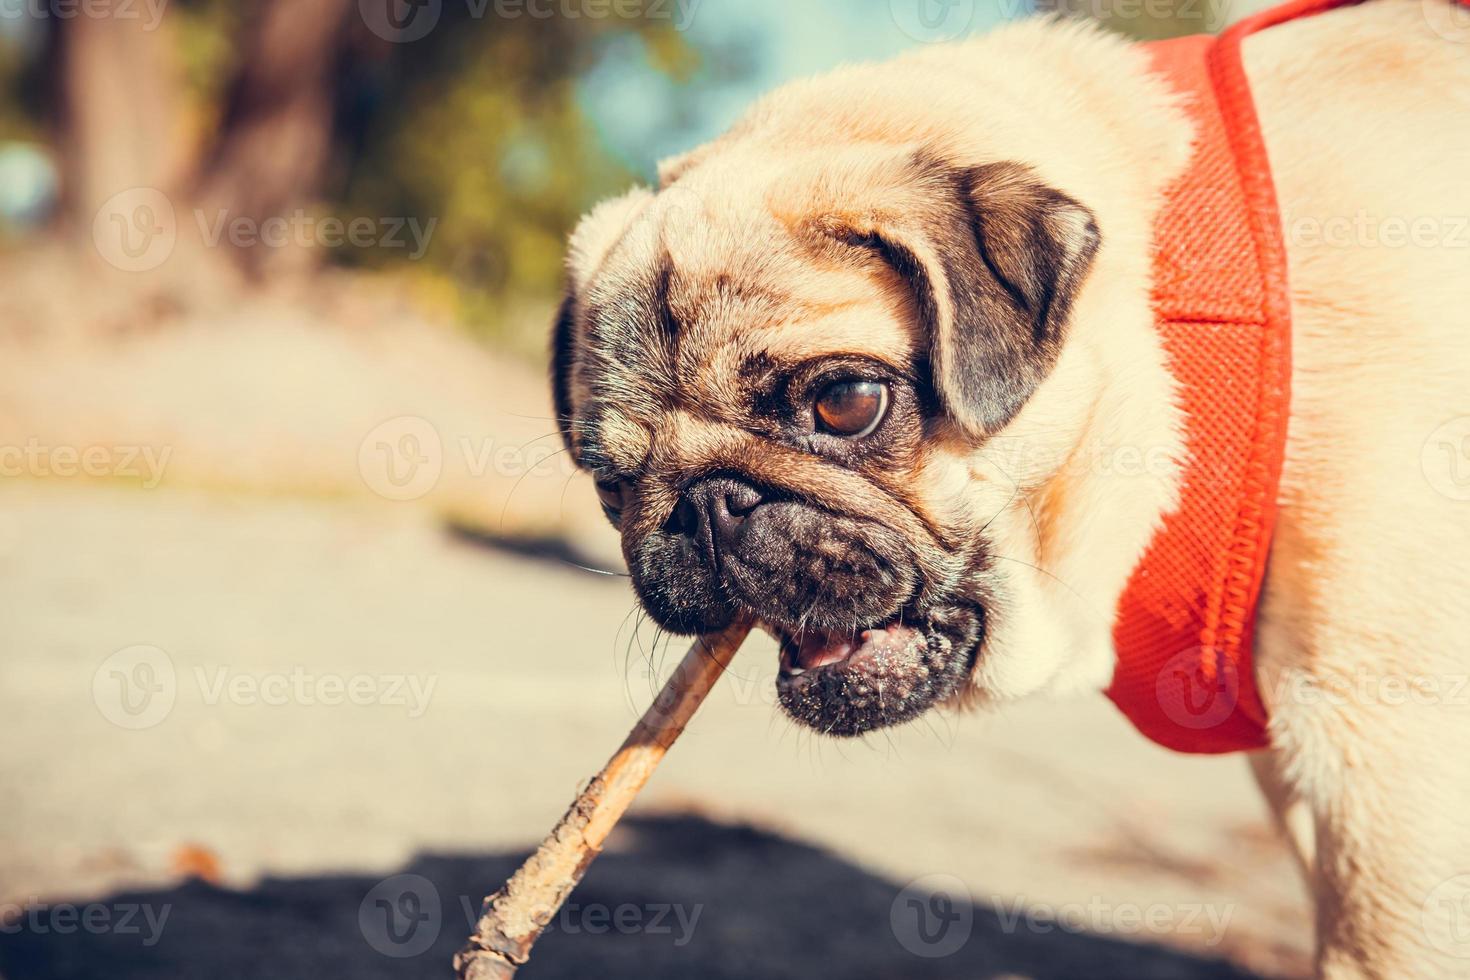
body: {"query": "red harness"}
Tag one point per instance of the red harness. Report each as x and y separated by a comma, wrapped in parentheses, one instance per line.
(1186, 621)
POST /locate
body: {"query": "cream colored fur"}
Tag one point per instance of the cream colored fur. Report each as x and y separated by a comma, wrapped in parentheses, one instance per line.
(1366, 113)
(1364, 110)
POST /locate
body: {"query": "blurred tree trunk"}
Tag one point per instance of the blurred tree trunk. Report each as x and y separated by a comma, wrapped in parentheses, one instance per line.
(132, 183)
(275, 134)
(116, 112)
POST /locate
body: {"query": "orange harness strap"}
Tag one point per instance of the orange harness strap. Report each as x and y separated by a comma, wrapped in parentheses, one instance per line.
(1184, 633)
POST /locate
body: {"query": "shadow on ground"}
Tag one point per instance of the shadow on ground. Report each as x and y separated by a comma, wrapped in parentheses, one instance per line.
(673, 897)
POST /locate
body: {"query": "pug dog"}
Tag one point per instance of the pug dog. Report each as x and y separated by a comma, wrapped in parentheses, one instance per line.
(863, 367)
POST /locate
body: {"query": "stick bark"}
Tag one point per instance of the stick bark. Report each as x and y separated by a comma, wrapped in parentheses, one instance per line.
(512, 919)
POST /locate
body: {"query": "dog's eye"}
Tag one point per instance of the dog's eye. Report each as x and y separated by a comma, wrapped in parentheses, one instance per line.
(851, 408)
(614, 495)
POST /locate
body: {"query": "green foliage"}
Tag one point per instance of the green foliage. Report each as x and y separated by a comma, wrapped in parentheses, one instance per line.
(475, 127)
(20, 105)
(206, 34)
(479, 129)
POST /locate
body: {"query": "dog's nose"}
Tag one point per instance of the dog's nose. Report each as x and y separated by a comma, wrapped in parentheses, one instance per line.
(714, 512)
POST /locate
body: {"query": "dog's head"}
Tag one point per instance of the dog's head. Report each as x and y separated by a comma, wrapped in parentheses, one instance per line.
(784, 376)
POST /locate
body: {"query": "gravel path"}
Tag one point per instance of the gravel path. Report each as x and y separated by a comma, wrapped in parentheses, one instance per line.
(239, 723)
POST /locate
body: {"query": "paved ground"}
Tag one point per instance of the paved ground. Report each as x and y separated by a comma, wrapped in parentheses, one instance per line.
(265, 738)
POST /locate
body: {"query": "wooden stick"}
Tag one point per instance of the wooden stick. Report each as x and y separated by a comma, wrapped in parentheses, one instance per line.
(512, 919)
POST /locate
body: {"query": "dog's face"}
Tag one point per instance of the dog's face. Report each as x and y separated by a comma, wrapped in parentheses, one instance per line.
(780, 378)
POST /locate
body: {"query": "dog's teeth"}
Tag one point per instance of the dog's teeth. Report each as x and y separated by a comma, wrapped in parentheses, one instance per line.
(795, 671)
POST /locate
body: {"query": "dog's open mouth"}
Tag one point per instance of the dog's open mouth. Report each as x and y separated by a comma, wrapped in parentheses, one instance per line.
(813, 650)
(849, 684)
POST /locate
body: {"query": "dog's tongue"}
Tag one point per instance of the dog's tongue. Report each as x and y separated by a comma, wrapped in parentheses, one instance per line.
(820, 649)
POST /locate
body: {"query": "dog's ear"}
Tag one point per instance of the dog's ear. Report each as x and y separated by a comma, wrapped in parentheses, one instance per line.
(594, 237)
(563, 340)
(994, 258)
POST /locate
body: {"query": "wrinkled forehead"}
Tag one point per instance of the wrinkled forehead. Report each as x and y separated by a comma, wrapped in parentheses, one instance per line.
(701, 299)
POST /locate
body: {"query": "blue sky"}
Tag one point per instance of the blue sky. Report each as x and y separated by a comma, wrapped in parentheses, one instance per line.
(638, 110)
